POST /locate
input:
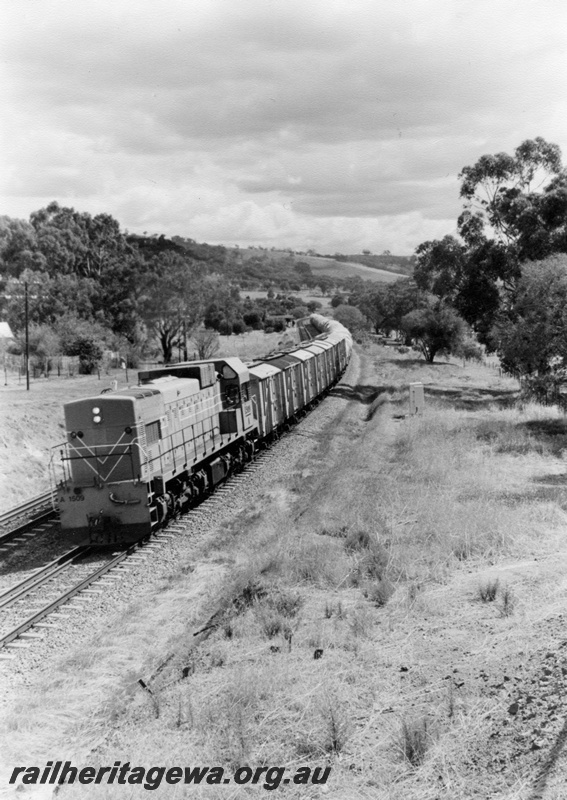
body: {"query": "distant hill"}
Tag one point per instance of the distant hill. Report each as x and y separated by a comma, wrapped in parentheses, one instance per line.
(282, 263)
(390, 263)
(257, 267)
(335, 268)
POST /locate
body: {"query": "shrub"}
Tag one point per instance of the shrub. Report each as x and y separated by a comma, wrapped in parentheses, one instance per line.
(337, 727)
(285, 603)
(351, 317)
(88, 351)
(357, 540)
(271, 622)
(414, 741)
(372, 558)
(436, 329)
(487, 591)
(470, 350)
(508, 602)
(378, 592)
(253, 319)
(206, 341)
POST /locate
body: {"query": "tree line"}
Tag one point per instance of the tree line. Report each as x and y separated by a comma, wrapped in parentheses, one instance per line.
(92, 286)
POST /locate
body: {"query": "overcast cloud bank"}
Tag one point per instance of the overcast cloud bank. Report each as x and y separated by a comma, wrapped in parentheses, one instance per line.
(328, 124)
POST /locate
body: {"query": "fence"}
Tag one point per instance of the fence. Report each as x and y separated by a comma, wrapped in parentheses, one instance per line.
(61, 366)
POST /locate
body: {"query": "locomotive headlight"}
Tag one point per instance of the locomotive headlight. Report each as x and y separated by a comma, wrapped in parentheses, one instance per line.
(97, 419)
(96, 410)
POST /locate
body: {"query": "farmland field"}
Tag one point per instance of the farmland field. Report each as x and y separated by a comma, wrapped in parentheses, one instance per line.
(328, 266)
(348, 269)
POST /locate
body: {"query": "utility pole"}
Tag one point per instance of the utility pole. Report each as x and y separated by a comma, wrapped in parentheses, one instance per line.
(27, 356)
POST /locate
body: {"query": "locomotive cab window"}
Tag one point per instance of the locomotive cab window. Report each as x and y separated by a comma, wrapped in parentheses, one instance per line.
(232, 394)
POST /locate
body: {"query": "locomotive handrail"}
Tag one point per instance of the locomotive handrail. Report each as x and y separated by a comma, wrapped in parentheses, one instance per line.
(118, 502)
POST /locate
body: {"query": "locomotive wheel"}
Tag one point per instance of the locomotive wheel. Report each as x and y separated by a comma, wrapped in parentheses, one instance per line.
(240, 459)
(162, 506)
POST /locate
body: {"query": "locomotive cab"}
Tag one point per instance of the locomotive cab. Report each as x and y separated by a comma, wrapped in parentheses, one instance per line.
(237, 408)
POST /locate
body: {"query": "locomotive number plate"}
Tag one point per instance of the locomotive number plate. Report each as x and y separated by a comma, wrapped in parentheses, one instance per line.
(72, 498)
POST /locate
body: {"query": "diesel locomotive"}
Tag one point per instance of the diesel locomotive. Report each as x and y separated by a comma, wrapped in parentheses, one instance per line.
(137, 456)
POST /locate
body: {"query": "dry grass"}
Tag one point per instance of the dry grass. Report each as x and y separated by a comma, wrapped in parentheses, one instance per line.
(352, 633)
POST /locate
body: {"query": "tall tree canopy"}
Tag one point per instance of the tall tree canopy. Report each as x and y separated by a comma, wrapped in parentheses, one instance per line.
(436, 328)
(521, 199)
(515, 210)
(173, 302)
(531, 336)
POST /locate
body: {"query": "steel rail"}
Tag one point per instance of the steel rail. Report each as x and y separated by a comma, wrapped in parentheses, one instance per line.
(54, 605)
(25, 526)
(29, 506)
(42, 575)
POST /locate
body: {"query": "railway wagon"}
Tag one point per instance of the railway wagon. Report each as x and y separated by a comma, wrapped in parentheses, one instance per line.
(137, 456)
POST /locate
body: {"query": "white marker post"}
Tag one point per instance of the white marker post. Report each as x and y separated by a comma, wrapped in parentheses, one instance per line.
(416, 398)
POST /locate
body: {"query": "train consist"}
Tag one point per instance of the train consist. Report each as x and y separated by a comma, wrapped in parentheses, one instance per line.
(137, 456)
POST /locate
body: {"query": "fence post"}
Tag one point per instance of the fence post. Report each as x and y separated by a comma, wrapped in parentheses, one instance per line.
(416, 398)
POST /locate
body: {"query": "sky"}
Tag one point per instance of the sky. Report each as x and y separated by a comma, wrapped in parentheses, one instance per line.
(334, 125)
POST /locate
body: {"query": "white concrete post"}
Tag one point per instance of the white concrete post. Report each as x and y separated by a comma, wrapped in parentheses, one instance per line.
(416, 398)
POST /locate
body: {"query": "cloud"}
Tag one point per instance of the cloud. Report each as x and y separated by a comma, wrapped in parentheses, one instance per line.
(362, 111)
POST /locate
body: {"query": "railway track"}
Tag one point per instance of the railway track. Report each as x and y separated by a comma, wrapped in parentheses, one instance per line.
(33, 506)
(28, 515)
(40, 576)
(56, 571)
(21, 633)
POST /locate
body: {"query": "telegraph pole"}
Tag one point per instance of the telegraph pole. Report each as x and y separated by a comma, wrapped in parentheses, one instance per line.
(27, 356)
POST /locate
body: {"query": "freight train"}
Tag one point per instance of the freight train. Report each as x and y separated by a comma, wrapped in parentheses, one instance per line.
(138, 456)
